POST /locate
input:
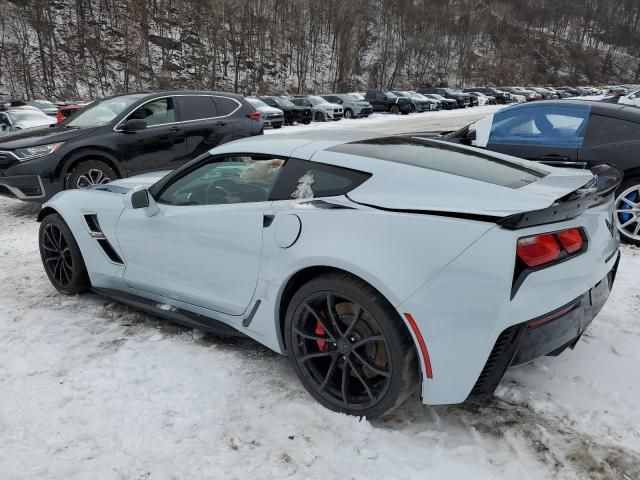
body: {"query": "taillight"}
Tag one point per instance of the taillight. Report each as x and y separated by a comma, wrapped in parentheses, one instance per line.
(255, 115)
(550, 247)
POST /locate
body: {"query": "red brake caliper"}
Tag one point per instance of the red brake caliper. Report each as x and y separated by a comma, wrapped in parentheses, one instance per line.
(323, 345)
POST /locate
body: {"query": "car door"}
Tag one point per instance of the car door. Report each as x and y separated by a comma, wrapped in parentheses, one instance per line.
(205, 126)
(159, 146)
(203, 245)
(551, 134)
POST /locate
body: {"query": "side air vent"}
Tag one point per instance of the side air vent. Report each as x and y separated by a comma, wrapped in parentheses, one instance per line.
(110, 252)
(96, 232)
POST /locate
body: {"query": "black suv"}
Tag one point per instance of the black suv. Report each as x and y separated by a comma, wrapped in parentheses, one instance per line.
(388, 102)
(292, 113)
(501, 96)
(121, 136)
(463, 99)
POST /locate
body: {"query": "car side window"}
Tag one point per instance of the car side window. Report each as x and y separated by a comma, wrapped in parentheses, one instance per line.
(302, 179)
(563, 126)
(226, 106)
(269, 101)
(226, 180)
(196, 107)
(155, 112)
(603, 130)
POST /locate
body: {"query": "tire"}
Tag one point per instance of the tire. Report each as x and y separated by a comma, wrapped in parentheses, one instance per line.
(336, 376)
(61, 256)
(394, 110)
(277, 126)
(89, 172)
(319, 117)
(628, 223)
(412, 108)
(348, 113)
(306, 122)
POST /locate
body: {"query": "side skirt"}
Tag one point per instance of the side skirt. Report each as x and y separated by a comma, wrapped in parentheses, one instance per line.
(171, 313)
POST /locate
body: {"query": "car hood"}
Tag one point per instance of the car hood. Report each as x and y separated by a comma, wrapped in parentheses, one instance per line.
(268, 109)
(138, 181)
(45, 122)
(329, 105)
(410, 188)
(41, 136)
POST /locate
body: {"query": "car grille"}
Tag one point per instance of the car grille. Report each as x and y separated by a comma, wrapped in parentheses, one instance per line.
(337, 110)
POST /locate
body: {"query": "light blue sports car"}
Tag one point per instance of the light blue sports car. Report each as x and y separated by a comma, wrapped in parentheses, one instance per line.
(377, 264)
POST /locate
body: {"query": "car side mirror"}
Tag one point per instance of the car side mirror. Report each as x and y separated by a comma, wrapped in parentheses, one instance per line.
(133, 125)
(469, 137)
(141, 199)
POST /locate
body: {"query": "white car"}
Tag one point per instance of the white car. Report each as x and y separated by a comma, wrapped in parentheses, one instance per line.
(321, 109)
(21, 118)
(380, 265)
(271, 116)
(632, 98)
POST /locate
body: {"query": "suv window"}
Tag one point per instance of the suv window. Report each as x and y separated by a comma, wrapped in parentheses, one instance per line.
(194, 107)
(302, 179)
(302, 102)
(226, 106)
(156, 112)
(557, 126)
(225, 180)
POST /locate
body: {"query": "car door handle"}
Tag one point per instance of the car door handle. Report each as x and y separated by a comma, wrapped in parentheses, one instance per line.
(174, 129)
(221, 124)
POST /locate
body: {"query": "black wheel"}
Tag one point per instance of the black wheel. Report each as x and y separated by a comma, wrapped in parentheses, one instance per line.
(306, 122)
(88, 173)
(394, 109)
(628, 211)
(319, 117)
(61, 256)
(348, 113)
(349, 348)
(277, 126)
(412, 108)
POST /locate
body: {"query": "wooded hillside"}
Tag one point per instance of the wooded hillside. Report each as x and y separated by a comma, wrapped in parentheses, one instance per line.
(90, 48)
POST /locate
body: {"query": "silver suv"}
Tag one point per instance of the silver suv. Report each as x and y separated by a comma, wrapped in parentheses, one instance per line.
(320, 108)
(353, 106)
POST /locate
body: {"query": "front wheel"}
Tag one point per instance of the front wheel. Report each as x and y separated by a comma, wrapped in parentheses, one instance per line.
(394, 109)
(628, 211)
(88, 173)
(61, 256)
(348, 113)
(319, 117)
(348, 346)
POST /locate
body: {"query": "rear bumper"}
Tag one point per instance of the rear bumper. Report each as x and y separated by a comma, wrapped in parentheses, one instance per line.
(549, 334)
(22, 187)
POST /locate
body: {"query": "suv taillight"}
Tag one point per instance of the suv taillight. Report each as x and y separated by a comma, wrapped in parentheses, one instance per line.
(255, 115)
(548, 248)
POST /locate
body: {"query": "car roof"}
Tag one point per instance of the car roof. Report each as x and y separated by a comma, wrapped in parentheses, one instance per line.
(617, 110)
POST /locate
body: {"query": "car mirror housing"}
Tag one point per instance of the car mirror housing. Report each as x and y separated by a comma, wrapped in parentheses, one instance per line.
(134, 125)
(141, 199)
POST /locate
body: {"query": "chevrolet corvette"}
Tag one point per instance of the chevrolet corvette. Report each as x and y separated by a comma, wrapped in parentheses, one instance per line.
(379, 265)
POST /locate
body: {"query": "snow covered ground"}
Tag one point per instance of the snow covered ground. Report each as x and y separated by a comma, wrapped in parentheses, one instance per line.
(90, 389)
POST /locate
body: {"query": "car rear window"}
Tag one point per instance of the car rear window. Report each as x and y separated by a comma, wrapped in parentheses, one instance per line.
(443, 158)
(226, 106)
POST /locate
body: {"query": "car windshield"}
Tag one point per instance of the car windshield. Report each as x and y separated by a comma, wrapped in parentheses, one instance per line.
(283, 102)
(317, 100)
(391, 95)
(419, 96)
(436, 96)
(256, 103)
(400, 94)
(448, 90)
(41, 104)
(347, 97)
(101, 113)
(27, 116)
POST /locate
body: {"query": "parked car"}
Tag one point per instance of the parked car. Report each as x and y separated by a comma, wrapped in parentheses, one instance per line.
(45, 106)
(462, 99)
(416, 104)
(320, 108)
(529, 95)
(504, 280)
(546, 94)
(632, 99)
(121, 136)
(19, 118)
(482, 99)
(570, 133)
(434, 104)
(66, 111)
(292, 112)
(388, 102)
(446, 103)
(572, 91)
(271, 116)
(353, 107)
(501, 96)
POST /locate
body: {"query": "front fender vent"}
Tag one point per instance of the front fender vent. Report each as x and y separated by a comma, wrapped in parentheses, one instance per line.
(91, 220)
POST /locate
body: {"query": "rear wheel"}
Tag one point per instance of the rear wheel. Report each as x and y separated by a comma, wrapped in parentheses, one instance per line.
(61, 256)
(628, 211)
(348, 346)
(88, 173)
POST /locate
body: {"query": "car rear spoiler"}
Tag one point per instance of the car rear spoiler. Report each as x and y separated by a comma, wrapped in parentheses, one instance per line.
(605, 182)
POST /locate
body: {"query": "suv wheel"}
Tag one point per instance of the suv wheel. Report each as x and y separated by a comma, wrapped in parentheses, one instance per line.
(628, 211)
(348, 113)
(88, 173)
(319, 117)
(393, 109)
(412, 108)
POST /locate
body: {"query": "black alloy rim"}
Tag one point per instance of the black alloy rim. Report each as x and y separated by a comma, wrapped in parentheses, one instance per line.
(341, 349)
(57, 255)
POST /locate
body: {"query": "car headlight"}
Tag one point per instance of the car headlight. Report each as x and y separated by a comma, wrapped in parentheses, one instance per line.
(38, 151)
